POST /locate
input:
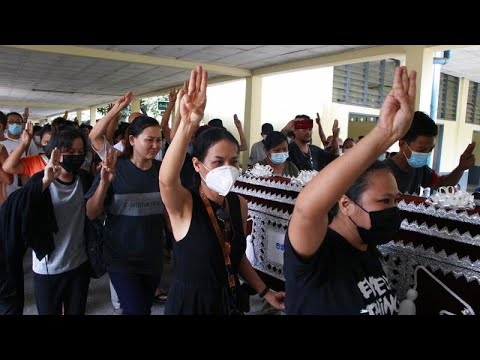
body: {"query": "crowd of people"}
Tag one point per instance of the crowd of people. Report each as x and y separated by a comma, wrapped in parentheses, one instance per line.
(154, 187)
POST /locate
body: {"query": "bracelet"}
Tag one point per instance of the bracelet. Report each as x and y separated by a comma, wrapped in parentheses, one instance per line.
(264, 292)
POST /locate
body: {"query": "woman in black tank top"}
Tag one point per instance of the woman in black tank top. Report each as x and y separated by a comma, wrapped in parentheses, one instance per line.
(208, 221)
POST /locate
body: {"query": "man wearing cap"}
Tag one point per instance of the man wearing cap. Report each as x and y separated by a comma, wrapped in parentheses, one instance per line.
(304, 155)
(257, 153)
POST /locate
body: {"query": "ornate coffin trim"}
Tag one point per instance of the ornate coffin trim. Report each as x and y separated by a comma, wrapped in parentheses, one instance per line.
(270, 183)
(261, 194)
(260, 241)
(403, 259)
(443, 233)
(439, 213)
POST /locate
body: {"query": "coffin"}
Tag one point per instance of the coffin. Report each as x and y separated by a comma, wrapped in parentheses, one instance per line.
(437, 251)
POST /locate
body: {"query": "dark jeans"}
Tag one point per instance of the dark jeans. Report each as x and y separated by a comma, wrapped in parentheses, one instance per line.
(69, 288)
(135, 291)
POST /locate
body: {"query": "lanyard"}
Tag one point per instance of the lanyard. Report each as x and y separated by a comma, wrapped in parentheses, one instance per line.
(224, 244)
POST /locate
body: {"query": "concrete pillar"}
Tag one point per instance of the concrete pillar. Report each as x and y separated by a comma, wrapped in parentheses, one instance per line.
(420, 59)
(93, 115)
(135, 105)
(79, 117)
(252, 125)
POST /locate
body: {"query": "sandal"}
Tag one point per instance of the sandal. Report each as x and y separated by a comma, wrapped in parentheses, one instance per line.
(160, 297)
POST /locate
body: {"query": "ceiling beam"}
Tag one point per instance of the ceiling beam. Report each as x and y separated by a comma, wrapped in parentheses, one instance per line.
(347, 57)
(31, 104)
(134, 58)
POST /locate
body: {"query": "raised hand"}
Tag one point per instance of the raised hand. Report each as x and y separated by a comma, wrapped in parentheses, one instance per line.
(172, 96)
(238, 123)
(193, 103)
(65, 115)
(53, 169)
(397, 110)
(317, 120)
(26, 113)
(107, 173)
(27, 134)
(335, 128)
(467, 159)
(122, 102)
(182, 91)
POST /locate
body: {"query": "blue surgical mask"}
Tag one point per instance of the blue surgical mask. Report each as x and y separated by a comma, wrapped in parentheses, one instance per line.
(417, 159)
(15, 129)
(279, 158)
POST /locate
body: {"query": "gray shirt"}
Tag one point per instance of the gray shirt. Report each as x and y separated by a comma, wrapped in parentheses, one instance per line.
(70, 247)
(257, 153)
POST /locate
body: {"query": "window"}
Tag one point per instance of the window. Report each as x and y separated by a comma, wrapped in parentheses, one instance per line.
(447, 97)
(364, 84)
(473, 104)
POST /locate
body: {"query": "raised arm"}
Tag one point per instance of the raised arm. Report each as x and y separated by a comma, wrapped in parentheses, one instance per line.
(243, 141)
(5, 178)
(95, 205)
(334, 142)
(177, 117)
(246, 270)
(53, 169)
(309, 221)
(112, 126)
(177, 199)
(172, 97)
(467, 159)
(323, 138)
(12, 164)
(100, 128)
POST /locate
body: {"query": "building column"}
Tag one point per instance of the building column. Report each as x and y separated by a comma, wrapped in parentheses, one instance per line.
(135, 105)
(252, 125)
(93, 115)
(79, 117)
(420, 59)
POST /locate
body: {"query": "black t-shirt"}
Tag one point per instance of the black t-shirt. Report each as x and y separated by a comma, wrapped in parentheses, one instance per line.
(317, 159)
(134, 225)
(337, 280)
(410, 181)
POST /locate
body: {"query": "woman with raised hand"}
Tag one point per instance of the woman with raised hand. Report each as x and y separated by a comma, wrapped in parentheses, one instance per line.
(63, 276)
(335, 268)
(208, 221)
(127, 190)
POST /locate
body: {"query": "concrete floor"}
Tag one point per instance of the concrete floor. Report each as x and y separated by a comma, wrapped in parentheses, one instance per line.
(99, 302)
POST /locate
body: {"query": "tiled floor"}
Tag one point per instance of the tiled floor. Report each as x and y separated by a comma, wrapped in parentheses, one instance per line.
(99, 295)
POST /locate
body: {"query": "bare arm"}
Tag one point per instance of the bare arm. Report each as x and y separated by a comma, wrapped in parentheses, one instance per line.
(52, 170)
(4, 177)
(243, 140)
(112, 127)
(334, 142)
(100, 128)
(323, 138)
(309, 221)
(12, 164)
(177, 199)
(176, 119)
(467, 159)
(247, 272)
(172, 97)
(95, 205)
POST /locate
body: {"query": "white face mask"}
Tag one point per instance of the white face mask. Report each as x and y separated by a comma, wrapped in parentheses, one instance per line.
(221, 179)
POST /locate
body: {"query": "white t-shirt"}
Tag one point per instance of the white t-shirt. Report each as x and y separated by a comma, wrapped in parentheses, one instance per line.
(10, 145)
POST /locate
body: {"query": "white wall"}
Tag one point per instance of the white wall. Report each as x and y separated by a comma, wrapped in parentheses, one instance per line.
(224, 100)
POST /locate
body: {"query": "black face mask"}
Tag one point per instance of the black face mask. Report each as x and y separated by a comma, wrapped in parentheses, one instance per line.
(72, 163)
(384, 225)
